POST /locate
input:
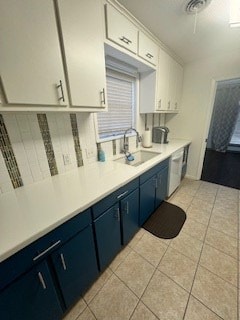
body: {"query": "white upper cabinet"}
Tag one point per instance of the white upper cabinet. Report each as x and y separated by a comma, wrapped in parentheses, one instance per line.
(31, 68)
(163, 82)
(82, 27)
(120, 30)
(169, 88)
(147, 49)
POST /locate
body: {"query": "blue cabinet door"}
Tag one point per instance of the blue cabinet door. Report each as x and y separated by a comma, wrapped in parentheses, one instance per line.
(129, 216)
(31, 297)
(108, 235)
(147, 199)
(162, 186)
(76, 265)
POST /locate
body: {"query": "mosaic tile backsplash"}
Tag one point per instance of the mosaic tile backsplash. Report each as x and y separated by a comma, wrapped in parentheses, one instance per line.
(35, 146)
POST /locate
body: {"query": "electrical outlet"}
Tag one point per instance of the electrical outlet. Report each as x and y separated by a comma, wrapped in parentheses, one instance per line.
(66, 159)
(90, 152)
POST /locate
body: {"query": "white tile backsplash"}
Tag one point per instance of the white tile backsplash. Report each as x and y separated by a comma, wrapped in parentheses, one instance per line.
(29, 150)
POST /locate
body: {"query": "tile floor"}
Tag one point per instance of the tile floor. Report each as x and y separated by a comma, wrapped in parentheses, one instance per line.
(194, 276)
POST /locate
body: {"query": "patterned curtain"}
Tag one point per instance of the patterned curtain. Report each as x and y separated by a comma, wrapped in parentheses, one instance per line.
(226, 109)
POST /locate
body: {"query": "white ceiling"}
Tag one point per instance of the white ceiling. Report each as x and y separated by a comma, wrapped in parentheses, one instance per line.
(168, 21)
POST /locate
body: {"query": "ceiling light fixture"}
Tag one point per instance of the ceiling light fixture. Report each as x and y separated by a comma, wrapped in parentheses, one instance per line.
(234, 20)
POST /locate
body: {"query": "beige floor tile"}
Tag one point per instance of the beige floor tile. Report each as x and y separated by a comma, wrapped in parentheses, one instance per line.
(165, 298)
(217, 294)
(151, 248)
(98, 284)
(76, 310)
(86, 315)
(208, 186)
(227, 205)
(206, 196)
(194, 229)
(184, 198)
(143, 313)
(187, 245)
(135, 272)
(199, 203)
(224, 225)
(178, 267)
(197, 311)
(114, 301)
(219, 263)
(136, 238)
(120, 258)
(199, 215)
(181, 205)
(222, 242)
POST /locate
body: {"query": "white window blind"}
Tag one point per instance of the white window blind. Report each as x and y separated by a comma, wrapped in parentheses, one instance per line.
(121, 105)
(236, 134)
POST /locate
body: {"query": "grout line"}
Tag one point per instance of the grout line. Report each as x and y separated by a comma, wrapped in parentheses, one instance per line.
(197, 265)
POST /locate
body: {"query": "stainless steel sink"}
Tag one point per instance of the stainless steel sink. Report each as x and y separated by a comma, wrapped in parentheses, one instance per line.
(140, 157)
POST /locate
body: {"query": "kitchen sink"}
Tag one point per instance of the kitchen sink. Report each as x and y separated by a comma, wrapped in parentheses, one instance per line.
(140, 157)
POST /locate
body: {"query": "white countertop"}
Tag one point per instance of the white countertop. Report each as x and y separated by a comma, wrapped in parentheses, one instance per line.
(32, 211)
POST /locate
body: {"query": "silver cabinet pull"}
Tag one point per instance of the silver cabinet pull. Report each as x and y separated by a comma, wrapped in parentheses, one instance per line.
(46, 251)
(63, 261)
(155, 182)
(160, 104)
(117, 216)
(122, 194)
(149, 55)
(40, 277)
(62, 93)
(176, 105)
(168, 104)
(125, 40)
(103, 100)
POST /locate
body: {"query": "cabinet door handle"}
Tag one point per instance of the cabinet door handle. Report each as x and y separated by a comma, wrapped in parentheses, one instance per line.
(63, 261)
(122, 194)
(117, 216)
(168, 104)
(125, 40)
(160, 104)
(155, 183)
(149, 55)
(62, 93)
(40, 277)
(46, 251)
(176, 105)
(103, 100)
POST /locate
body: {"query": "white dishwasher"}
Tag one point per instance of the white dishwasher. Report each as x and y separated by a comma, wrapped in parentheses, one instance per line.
(175, 171)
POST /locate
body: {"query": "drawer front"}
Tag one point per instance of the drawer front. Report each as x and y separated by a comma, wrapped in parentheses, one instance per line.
(114, 197)
(147, 175)
(20, 262)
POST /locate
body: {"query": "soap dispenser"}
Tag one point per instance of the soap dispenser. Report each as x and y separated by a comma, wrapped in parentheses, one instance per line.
(101, 153)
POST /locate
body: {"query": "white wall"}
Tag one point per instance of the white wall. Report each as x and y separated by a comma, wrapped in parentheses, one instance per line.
(194, 118)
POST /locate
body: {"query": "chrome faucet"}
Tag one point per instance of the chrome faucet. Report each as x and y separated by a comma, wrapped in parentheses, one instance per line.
(125, 144)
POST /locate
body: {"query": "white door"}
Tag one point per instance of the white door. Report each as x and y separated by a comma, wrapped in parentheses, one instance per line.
(82, 25)
(30, 58)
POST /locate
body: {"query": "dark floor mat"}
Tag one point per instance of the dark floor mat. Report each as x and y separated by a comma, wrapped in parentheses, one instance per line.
(166, 222)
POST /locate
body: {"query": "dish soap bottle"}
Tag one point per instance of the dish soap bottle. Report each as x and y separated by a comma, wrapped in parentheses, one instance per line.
(101, 154)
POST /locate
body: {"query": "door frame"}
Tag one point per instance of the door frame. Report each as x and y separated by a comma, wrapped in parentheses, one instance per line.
(214, 83)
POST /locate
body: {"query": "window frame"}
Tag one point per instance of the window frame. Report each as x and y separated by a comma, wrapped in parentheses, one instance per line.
(118, 72)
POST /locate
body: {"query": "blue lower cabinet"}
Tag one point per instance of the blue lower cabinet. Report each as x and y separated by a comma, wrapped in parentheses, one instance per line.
(147, 199)
(162, 186)
(31, 297)
(108, 235)
(129, 208)
(75, 264)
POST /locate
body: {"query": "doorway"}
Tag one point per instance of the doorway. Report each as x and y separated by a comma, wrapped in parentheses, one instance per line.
(222, 155)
